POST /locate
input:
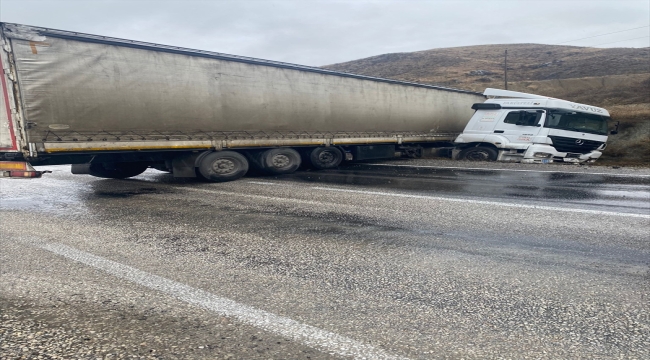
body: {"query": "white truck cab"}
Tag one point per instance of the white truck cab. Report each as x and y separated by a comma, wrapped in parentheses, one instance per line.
(528, 128)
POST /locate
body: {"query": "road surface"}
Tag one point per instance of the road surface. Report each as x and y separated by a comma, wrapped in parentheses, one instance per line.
(374, 261)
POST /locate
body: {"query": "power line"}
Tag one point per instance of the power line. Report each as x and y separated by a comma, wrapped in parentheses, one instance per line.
(643, 37)
(615, 32)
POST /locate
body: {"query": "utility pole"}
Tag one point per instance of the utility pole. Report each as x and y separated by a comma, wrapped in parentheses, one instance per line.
(505, 66)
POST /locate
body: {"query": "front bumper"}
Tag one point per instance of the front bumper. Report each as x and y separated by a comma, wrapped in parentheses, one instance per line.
(541, 153)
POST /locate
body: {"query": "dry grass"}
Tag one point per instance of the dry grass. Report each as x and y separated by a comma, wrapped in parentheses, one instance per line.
(453, 66)
(631, 146)
(604, 91)
(631, 113)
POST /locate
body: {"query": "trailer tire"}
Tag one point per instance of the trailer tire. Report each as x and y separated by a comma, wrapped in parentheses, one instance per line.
(478, 153)
(117, 170)
(220, 166)
(280, 161)
(325, 157)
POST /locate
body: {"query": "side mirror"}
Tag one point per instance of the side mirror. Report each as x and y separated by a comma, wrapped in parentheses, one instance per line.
(613, 132)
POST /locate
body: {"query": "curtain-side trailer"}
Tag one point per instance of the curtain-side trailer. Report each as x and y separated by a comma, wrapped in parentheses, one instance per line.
(113, 107)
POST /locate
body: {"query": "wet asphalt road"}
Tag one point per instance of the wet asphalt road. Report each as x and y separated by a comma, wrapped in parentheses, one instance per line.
(368, 261)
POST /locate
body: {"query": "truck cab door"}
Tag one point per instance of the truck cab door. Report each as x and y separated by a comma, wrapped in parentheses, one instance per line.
(520, 127)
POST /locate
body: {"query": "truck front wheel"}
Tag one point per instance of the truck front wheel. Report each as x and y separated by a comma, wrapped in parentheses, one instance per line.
(120, 170)
(325, 157)
(478, 153)
(223, 166)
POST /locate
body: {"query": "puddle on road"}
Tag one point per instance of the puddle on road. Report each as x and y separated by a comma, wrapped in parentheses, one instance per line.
(598, 190)
(64, 193)
(47, 194)
(381, 180)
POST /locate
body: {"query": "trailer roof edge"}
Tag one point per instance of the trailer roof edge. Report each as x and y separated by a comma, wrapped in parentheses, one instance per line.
(71, 35)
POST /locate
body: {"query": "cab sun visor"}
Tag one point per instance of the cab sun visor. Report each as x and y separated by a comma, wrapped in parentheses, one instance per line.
(483, 106)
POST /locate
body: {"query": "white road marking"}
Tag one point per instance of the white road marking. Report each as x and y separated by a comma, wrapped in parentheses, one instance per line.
(483, 202)
(521, 170)
(309, 335)
(262, 182)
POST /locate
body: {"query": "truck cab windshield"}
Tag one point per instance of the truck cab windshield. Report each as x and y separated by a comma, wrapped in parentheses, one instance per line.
(577, 121)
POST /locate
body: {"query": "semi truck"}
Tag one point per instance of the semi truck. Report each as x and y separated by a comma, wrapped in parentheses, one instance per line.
(113, 108)
(529, 128)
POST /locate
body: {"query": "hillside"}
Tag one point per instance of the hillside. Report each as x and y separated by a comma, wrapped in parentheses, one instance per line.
(615, 78)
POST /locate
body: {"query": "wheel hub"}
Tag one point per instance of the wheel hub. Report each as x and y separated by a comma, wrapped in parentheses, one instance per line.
(478, 155)
(326, 157)
(280, 161)
(223, 166)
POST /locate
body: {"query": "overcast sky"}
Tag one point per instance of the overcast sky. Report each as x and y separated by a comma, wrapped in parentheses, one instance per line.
(313, 32)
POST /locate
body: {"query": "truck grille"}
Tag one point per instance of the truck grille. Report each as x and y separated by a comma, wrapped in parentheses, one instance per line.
(565, 144)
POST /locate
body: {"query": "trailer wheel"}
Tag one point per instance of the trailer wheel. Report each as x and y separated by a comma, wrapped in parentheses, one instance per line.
(478, 153)
(280, 161)
(117, 170)
(325, 157)
(220, 166)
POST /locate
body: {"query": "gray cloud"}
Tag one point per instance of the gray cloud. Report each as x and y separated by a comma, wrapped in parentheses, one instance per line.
(325, 32)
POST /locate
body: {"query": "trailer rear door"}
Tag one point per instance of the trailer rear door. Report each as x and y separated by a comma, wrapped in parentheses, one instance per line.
(7, 125)
(11, 162)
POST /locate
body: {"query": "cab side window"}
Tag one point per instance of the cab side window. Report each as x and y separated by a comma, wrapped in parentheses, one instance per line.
(523, 118)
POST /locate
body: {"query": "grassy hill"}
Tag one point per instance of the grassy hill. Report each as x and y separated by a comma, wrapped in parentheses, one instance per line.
(617, 79)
